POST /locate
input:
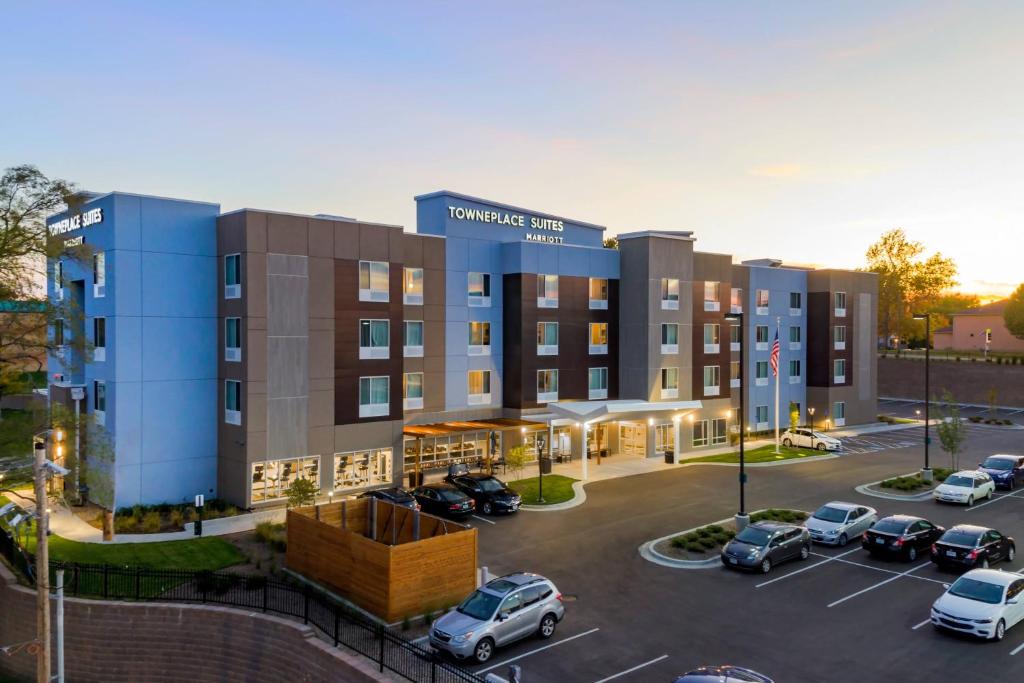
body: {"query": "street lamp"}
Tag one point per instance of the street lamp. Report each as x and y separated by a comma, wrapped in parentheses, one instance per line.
(810, 412)
(926, 473)
(742, 518)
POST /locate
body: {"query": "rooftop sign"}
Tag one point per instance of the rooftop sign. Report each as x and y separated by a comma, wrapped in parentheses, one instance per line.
(513, 220)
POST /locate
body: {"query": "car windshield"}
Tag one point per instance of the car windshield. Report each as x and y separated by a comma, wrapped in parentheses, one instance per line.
(491, 484)
(959, 537)
(890, 526)
(830, 514)
(754, 536)
(957, 480)
(982, 591)
(998, 464)
(479, 605)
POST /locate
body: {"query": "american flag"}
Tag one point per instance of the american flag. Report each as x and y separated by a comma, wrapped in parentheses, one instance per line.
(775, 356)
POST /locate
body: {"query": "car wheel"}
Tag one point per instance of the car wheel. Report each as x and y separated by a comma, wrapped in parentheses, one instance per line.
(483, 650)
(911, 553)
(843, 540)
(821, 446)
(766, 565)
(970, 501)
(1011, 552)
(787, 443)
(487, 509)
(1000, 631)
(805, 552)
(547, 626)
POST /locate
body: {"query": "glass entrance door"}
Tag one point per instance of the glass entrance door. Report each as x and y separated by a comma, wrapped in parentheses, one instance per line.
(633, 439)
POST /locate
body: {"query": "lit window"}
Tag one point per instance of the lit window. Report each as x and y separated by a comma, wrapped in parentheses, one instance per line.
(479, 386)
(670, 383)
(412, 286)
(360, 469)
(598, 293)
(271, 479)
(598, 338)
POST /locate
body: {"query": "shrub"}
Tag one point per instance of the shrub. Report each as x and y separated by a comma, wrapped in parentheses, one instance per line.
(124, 524)
(714, 528)
(708, 543)
(151, 522)
(695, 547)
(177, 519)
(704, 533)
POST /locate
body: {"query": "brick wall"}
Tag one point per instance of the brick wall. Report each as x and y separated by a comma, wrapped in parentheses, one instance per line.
(120, 641)
(968, 382)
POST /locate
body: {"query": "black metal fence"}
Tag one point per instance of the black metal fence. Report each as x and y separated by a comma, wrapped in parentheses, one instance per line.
(338, 622)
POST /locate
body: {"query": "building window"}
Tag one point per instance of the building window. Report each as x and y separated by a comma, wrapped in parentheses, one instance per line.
(760, 417)
(58, 280)
(374, 339)
(598, 384)
(700, 433)
(412, 347)
(479, 338)
(547, 339)
(373, 281)
(736, 300)
(99, 274)
(669, 294)
(669, 338)
(761, 338)
(664, 438)
(839, 333)
(670, 382)
(794, 371)
(734, 337)
(795, 337)
(718, 431)
(271, 479)
(412, 286)
(734, 374)
(58, 332)
(712, 292)
(598, 339)
(547, 386)
(547, 291)
(361, 469)
(711, 340)
(840, 304)
(839, 371)
(232, 276)
(233, 402)
(839, 413)
(598, 293)
(712, 380)
(795, 303)
(480, 290)
(233, 339)
(479, 387)
(374, 396)
(762, 301)
(412, 390)
(761, 373)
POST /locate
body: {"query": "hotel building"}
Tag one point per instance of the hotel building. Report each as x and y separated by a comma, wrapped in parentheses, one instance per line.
(230, 353)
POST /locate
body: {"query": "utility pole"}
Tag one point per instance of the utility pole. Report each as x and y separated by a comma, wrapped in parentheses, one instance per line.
(42, 566)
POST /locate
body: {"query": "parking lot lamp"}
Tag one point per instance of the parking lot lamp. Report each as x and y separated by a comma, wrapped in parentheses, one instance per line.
(926, 473)
(742, 518)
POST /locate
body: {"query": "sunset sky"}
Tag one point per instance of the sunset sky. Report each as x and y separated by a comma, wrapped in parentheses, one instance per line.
(799, 130)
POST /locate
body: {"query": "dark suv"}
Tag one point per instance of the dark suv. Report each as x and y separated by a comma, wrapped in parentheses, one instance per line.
(762, 545)
(488, 492)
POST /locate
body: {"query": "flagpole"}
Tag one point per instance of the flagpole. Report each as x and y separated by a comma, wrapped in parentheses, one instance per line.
(778, 324)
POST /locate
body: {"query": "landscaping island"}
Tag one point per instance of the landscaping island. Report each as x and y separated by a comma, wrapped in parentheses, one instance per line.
(705, 542)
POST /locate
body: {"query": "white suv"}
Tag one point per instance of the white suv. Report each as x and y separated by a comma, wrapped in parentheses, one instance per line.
(966, 486)
(806, 438)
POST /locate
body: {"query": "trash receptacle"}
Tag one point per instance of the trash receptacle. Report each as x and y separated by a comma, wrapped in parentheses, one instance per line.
(545, 465)
(669, 457)
(415, 479)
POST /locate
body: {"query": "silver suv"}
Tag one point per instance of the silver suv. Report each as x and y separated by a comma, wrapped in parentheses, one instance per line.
(498, 613)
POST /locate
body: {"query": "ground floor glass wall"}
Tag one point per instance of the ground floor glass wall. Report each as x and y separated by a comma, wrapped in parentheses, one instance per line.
(360, 469)
(441, 451)
(271, 479)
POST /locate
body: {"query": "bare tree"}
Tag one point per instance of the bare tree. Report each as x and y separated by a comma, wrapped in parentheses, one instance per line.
(952, 430)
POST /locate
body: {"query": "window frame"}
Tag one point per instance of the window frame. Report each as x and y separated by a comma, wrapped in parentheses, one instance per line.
(483, 298)
(233, 290)
(601, 303)
(413, 350)
(550, 377)
(374, 351)
(371, 292)
(485, 383)
(232, 354)
(669, 390)
(600, 392)
(233, 388)
(669, 300)
(544, 347)
(547, 290)
(669, 348)
(412, 402)
(369, 409)
(601, 347)
(412, 298)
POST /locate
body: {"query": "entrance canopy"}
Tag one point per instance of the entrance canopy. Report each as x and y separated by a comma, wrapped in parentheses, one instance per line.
(623, 409)
(443, 428)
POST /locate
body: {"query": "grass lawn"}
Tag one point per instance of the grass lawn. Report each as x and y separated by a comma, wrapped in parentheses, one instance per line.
(762, 454)
(208, 552)
(557, 489)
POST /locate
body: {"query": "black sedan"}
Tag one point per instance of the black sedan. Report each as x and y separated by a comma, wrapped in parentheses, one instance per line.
(966, 546)
(488, 492)
(722, 674)
(901, 536)
(443, 499)
(762, 545)
(395, 496)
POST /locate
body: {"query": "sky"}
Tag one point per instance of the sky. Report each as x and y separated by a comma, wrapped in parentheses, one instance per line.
(796, 130)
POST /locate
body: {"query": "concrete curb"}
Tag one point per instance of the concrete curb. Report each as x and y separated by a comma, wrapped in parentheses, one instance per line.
(579, 498)
(912, 498)
(780, 463)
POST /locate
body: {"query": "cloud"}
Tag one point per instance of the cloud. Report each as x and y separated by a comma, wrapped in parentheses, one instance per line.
(777, 171)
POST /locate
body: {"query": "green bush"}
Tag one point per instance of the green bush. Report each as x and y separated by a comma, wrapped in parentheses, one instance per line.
(151, 522)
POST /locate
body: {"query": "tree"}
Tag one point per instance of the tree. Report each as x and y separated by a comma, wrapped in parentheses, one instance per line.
(611, 243)
(1013, 314)
(515, 460)
(952, 430)
(905, 281)
(301, 492)
(794, 415)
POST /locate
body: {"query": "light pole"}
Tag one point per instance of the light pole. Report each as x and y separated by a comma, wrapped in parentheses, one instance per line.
(742, 518)
(926, 473)
(810, 412)
(39, 442)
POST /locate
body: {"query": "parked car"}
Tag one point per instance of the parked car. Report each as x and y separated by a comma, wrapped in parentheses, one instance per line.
(395, 496)
(762, 545)
(982, 602)
(966, 486)
(443, 499)
(967, 546)
(1007, 471)
(722, 674)
(837, 522)
(499, 612)
(488, 492)
(902, 536)
(806, 438)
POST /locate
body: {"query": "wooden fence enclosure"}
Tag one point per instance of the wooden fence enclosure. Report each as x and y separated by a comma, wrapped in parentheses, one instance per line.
(391, 561)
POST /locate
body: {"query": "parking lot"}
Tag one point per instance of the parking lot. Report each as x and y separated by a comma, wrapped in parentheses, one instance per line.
(841, 615)
(915, 409)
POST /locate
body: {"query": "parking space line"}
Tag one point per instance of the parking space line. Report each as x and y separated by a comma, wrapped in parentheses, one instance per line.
(1017, 649)
(804, 569)
(536, 650)
(628, 671)
(926, 621)
(483, 520)
(994, 499)
(880, 583)
(879, 569)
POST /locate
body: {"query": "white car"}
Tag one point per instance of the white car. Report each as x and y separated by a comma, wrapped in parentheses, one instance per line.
(806, 438)
(838, 523)
(982, 602)
(967, 486)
